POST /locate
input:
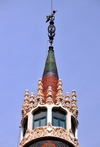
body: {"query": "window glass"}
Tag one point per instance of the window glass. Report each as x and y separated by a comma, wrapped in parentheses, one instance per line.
(39, 118)
(62, 123)
(59, 114)
(43, 122)
(36, 123)
(58, 118)
(55, 122)
(40, 113)
(25, 126)
(73, 127)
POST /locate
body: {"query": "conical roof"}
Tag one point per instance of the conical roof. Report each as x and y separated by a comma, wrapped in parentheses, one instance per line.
(50, 75)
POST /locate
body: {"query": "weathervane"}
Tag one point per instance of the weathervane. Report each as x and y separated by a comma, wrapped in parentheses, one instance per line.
(51, 27)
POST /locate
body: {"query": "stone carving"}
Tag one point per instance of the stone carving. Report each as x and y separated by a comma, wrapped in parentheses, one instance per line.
(31, 101)
(49, 96)
(59, 95)
(40, 96)
(67, 101)
(74, 106)
(25, 106)
(28, 103)
(49, 130)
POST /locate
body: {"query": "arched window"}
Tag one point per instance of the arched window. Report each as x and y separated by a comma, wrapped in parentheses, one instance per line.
(73, 126)
(59, 118)
(40, 118)
(25, 126)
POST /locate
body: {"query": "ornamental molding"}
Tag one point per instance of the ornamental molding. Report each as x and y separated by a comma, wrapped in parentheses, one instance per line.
(49, 131)
(45, 105)
(31, 102)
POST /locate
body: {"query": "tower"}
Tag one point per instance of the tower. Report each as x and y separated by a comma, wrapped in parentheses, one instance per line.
(50, 118)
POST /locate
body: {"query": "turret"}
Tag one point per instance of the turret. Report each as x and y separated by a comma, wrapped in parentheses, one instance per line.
(50, 119)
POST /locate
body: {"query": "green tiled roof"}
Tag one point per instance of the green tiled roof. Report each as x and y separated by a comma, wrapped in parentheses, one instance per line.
(50, 65)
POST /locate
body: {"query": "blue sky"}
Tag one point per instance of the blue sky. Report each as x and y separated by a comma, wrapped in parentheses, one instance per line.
(23, 51)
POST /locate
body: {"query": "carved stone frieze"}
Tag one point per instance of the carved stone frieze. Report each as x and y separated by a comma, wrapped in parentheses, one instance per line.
(49, 130)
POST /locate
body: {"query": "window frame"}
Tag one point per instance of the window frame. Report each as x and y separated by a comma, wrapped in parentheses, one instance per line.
(73, 126)
(39, 119)
(59, 119)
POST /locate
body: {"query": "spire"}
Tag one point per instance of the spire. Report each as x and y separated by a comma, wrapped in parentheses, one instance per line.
(50, 75)
(50, 65)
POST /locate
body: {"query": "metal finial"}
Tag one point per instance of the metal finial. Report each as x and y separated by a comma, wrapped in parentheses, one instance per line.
(51, 27)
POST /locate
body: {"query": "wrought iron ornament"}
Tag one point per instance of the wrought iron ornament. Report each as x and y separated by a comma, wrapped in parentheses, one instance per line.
(51, 27)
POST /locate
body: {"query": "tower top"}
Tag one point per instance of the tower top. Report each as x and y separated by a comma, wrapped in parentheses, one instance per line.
(51, 27)
(44, 120)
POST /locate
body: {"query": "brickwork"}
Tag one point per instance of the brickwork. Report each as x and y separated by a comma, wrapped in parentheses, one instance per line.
(49, 143)
(50, 81)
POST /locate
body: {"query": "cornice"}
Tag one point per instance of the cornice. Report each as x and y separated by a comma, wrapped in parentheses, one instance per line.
(49, 131)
